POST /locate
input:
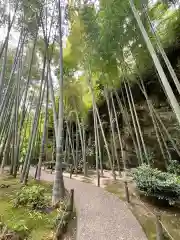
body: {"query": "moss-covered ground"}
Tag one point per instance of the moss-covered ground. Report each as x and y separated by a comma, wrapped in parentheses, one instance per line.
(38, 225)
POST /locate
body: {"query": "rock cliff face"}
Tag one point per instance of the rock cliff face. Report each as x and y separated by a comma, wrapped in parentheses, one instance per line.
(164, 126)
(166, 129)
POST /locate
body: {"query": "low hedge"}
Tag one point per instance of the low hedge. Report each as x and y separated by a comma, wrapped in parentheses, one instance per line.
(155, 183)
(174, 167)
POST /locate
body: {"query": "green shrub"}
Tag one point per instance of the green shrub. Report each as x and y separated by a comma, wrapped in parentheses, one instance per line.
(174, 167)
(158, 184)
(32, 197)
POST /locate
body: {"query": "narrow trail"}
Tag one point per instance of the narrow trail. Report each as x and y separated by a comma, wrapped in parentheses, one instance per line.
(101, 215)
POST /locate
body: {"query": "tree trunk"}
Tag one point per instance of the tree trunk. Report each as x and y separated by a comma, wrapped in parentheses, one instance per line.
(58, 187)
(41, 156)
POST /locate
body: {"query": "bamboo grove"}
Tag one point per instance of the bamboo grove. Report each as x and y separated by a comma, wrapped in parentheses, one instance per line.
(61, 61)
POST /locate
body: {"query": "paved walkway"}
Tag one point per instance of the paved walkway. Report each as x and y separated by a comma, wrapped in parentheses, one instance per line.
(101, 215)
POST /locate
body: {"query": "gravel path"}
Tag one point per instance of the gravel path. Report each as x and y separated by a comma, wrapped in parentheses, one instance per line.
(101, 215)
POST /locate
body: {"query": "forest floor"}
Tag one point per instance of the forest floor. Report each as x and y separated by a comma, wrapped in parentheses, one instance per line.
(38, 225)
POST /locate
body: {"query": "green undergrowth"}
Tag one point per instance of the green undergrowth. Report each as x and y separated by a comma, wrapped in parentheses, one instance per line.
(170, 216)
(37, 224)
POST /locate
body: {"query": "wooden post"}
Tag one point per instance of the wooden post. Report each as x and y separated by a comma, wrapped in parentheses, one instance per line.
(70, 174)
(114, 175)
(159, 229)
(35, 175)
(51, 167)
(126, 191)
(86, 169)
(71, 201)
(98, 179)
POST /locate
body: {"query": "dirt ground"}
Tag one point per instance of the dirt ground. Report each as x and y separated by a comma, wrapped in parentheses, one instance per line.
(92, 177)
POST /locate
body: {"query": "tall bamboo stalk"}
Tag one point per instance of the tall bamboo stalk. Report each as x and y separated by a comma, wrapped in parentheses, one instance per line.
(168, 90)
(58, 187)
(101, 127)
(114, 147)
(42, 148)
(119, 134)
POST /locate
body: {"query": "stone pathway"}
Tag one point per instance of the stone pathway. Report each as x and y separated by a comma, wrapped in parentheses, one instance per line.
(101, 215)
